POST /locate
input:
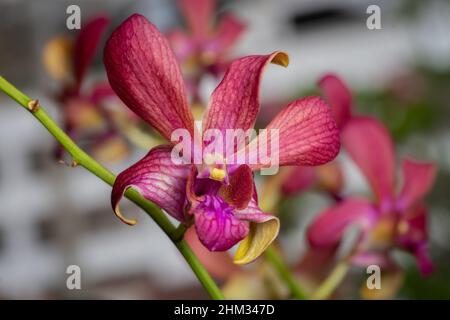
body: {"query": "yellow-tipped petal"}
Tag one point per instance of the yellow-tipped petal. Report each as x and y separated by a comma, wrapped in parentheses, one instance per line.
(57, 58)
(281, 58)
(259, 238)
(119, 215)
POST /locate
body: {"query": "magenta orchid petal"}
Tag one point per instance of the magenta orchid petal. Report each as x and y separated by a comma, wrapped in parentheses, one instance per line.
(369, 144)
(418, 180)
(338, 96)
(379, 258)
(253, 213)
(229, 31)
(157, 179)
(86, 44)
(298, 179)
(198, 15)
(328, 228)
(412, 235)
(412, 229)
(423, 259)
(239, 190)
(234, 103)
(216, 224)
(144, 73)
(219, 264)
(307, 134)
(182, 45)
(100, 92)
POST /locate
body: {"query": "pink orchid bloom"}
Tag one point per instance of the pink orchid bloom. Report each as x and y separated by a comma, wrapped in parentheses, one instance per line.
(329, 176)
(83, 113)
(219, 199)
(204, 48)
(395, 219)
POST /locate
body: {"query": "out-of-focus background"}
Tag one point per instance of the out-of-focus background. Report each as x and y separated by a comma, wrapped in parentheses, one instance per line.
(52, 216)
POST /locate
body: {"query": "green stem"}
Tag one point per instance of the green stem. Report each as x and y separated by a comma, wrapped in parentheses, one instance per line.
(83, 159)
(283, 271)
(332, 281)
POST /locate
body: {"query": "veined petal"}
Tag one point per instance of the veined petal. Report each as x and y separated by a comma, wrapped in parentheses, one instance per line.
(218, 264)
(157, 179)
(307, 135)
(234, 103)
(198, 15)
(370, 146)
(86, 44)
(144, 73)
(264, 229)
(216, 224)
(418, 180)
(328, 228)
(338, 96)
(239, 190)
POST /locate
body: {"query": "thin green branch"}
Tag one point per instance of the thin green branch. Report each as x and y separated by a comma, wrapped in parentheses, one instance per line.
(83, 159)
(283, 271)
(333, 280)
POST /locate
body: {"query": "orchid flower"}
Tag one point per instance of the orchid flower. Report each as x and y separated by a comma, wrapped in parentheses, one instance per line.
(84, 114)
(218, 198)
(203, 49)
(394, 219)
(327, 178)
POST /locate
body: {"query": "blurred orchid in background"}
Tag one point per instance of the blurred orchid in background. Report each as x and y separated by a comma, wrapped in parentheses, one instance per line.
(219, 198)
(395, 219)
(204, 47)
(326, 178)
(90, 116)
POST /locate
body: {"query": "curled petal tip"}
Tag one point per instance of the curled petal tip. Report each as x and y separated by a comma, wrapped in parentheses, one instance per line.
(281, 58)
(261, 235)
(118, 213)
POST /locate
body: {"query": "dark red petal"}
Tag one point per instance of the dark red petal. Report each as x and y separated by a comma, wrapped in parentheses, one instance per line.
(239, 191)
(308, 135)
(144, 73)
(235, 103)
(86, 44)
(157, 179)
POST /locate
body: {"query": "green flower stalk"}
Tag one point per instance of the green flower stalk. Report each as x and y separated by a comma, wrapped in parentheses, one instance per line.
(81, 158)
